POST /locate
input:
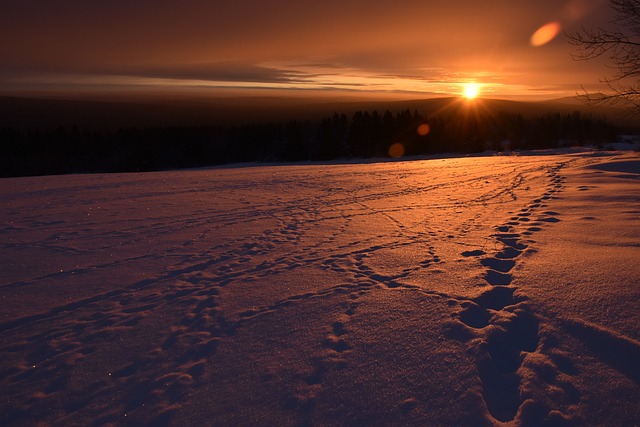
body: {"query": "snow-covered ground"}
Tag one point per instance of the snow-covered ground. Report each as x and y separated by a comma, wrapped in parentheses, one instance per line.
(482, 291)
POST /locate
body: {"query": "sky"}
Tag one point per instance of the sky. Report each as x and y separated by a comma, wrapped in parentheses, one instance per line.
(408, 49)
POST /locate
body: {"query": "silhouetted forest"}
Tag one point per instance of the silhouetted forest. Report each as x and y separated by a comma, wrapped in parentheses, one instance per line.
(361, 135)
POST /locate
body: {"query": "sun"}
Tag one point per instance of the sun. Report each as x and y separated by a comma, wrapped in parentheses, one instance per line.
(471, 90)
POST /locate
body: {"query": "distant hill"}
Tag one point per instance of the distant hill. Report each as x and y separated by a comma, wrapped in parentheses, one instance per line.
(49, 113)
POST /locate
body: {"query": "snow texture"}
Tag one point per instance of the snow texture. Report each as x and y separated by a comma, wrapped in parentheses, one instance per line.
(484, 291)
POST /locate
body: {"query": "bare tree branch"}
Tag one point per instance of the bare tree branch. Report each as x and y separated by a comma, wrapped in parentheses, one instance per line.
(621, 46)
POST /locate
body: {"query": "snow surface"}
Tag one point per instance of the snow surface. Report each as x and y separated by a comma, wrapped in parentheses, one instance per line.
(480, 291)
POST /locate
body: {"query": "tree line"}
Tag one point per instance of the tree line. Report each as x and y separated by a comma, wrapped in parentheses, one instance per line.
(361, 135)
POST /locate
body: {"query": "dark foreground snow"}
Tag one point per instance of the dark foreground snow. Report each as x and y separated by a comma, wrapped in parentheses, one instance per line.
(473, 292)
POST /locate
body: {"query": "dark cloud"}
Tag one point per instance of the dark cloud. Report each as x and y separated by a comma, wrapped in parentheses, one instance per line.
(220, 72)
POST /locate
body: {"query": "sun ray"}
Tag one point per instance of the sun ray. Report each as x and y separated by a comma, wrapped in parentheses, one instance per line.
(471, 90)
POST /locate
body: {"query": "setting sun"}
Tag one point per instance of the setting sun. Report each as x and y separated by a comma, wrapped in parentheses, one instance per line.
(471, 90)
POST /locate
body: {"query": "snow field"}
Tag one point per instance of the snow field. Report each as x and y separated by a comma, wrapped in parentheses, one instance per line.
(472, 291)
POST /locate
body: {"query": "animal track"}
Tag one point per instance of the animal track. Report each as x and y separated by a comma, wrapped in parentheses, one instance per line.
(498, 264)
(474, 315)
(495, 278)
(473, 253)
(334, 340)
(508, 328)
(337, 348)
(497, 298)
(372, 235)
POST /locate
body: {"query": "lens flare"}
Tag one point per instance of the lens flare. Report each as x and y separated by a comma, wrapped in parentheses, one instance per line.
(423, 129)
(545, 34)
(396, 150)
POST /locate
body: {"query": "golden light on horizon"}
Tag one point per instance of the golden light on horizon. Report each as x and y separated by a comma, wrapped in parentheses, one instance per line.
(545, 34)
(471, 90)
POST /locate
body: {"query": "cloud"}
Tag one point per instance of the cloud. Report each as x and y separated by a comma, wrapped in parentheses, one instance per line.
(211, 72)
(284, 43)
(218, 72)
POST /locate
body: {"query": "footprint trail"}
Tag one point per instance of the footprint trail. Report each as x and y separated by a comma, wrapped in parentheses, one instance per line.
(505, 332)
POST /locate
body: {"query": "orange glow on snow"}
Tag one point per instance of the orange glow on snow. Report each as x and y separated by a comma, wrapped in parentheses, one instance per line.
(545, 34)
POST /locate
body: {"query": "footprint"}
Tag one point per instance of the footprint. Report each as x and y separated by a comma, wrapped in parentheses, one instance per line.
(496, 278)
(522, 330)
(549, 219)
(317, 374)
(502, 265)
(500, 391)
(352, 309)
(513, 243)
(500, 360)
(335, 341)
(474, 316)
(508, 253)
(337, 344)
(505, 355)
(473, 253)
(338, 329)
(497, 298)
(408, 405)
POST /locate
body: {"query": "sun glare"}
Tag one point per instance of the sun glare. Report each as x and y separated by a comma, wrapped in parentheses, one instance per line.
(471, 90)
